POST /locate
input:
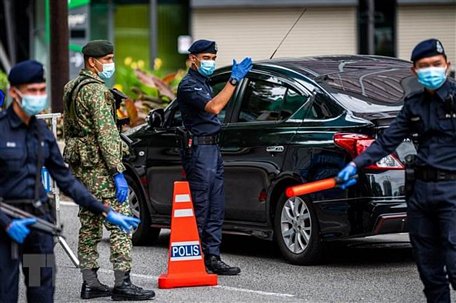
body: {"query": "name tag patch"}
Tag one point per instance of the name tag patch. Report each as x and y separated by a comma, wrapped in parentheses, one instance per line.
(10, 144)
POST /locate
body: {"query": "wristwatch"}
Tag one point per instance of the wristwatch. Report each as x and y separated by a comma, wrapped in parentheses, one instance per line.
(233, 81)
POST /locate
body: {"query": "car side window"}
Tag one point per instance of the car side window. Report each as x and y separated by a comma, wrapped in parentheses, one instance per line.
(323, 108)
(217, 86)
(267, 101)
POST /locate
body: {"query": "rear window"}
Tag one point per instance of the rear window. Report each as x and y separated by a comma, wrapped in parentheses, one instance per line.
(371, 90)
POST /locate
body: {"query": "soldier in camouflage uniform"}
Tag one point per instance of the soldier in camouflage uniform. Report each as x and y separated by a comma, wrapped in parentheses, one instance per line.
(94, 150)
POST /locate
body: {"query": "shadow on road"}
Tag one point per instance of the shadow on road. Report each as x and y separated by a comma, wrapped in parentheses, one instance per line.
(352, 252)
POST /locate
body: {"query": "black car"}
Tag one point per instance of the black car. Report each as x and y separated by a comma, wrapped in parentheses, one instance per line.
(290, 121)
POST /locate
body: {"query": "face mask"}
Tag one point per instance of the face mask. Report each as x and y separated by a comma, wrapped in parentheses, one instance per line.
(108, 71)
(431, 77)
(33, 104)
(207, 67)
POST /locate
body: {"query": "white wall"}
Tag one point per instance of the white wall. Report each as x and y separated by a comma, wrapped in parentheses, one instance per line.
(257, 32)
(417, 23)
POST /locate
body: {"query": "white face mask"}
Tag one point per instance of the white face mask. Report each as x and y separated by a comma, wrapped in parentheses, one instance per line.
(108, 70)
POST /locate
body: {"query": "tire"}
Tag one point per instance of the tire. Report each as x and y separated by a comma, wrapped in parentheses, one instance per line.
(145, 235)
(296, 231)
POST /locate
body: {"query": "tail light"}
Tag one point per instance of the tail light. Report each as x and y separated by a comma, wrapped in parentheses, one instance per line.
(355, 144)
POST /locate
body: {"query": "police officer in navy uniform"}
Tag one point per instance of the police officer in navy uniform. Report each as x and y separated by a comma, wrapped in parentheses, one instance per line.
(431, 207)
(26, 144)
(201, 157)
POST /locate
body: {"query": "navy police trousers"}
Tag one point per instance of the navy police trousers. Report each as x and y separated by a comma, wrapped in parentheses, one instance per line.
(431, 215)
(38, 265)
(203, 166)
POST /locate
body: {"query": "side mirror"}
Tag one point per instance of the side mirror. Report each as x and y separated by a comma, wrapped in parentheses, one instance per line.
(156, 117)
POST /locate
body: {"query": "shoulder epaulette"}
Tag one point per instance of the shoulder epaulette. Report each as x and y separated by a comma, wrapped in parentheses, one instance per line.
(413, 94)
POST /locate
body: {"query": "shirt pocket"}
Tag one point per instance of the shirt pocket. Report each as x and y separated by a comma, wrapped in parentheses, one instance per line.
(447, 125)
(11, 159)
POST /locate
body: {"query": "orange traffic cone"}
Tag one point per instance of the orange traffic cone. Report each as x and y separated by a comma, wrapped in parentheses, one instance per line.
(185, 262)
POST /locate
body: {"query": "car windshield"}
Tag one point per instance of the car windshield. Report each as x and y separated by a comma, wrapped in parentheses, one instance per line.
(371, 91)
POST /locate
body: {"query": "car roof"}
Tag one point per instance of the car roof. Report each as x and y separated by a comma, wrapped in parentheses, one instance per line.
(318, 66)
(382, 80)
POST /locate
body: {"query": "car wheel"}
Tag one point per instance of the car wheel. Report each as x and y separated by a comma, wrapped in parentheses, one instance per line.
(145, 235)
(296, 231)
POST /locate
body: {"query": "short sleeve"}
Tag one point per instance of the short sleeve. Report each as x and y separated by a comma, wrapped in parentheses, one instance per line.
(194, 94)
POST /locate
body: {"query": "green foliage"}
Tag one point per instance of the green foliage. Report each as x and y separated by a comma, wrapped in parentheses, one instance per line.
(3, 81)
(146, 88)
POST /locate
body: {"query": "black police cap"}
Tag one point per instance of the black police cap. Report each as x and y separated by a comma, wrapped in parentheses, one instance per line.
(427, 48)
(25, 72)
(98, 48)
(203, 46)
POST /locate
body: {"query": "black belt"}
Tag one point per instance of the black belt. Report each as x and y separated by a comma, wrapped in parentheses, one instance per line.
(426, 173)
(205, 140)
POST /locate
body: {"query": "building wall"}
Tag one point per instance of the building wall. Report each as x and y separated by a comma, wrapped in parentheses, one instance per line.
(417, 23)
(256, 32)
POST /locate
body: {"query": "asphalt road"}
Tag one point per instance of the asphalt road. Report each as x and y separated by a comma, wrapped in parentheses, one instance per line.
(378, 269)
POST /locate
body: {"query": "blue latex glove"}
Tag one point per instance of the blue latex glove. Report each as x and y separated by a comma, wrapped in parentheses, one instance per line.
(347, 175)
(239, 70)
(121, 187)
(18, 229)
(125, 223)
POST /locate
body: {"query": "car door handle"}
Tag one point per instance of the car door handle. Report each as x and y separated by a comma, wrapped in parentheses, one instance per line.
(275, 149)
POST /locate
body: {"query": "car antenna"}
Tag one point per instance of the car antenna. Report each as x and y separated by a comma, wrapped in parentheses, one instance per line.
(297, 20)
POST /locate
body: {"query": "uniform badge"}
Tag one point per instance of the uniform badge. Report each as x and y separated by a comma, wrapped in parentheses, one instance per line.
(439, 47)
(215, 47)
(10, 144)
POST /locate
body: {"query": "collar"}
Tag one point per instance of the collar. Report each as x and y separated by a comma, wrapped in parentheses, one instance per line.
(197, 75)
(444, 90)
(88, 73)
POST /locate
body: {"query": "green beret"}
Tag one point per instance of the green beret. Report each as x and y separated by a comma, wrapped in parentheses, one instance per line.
(98, 48)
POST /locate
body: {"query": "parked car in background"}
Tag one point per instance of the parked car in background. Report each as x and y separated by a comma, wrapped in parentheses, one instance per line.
(290, 121)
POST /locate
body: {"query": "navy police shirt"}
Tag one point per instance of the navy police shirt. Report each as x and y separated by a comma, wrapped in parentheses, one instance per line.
(433, 117)
(18, 164)
(192, 96)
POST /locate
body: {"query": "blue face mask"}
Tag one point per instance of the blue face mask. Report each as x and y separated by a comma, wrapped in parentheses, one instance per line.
(108, 71)
(33, 104)
(431, 77)
(207, 67)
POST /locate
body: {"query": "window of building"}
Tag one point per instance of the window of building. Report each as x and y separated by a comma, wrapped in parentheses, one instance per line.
(385, 27)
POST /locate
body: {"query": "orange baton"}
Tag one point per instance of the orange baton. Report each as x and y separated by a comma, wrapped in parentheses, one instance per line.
(311, 187)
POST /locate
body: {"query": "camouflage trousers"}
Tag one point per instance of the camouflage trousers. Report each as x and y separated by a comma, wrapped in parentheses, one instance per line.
(101, 185)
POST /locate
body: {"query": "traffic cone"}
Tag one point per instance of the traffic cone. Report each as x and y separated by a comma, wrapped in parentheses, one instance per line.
(185, 261)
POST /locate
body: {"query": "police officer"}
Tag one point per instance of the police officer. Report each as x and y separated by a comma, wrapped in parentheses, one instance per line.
(200, 154)
(94, 150)
(431, 208)
(25, 145)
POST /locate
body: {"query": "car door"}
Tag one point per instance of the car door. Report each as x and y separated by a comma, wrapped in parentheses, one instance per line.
(164, 165)
(254, 143)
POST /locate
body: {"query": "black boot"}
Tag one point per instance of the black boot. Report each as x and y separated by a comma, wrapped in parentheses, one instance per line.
(125, 290)
(91, 286)
(215, 265)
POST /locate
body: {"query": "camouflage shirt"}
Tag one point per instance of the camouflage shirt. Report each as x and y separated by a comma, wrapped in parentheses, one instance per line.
(91, 135)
